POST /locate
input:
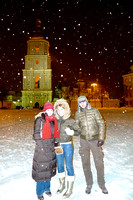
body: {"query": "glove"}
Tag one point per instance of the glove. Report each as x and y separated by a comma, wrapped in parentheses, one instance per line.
(56, 144)
(100, 143)
(69, 131)
(58, 150)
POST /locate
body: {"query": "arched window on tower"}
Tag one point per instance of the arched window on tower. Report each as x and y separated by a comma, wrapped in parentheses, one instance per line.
(37, 82)
(37, 48)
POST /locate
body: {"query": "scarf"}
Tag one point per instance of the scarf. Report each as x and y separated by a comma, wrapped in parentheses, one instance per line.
(46, 131)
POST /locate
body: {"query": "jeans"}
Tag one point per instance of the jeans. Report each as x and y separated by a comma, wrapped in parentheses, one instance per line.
(68, 156)
(42, 187)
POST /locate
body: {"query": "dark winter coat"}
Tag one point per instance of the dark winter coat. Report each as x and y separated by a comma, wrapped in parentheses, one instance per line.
(44, 160)
(65, 121)
(91, 123)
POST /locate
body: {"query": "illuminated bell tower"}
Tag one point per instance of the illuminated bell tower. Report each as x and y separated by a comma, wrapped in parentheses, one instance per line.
(37, 75)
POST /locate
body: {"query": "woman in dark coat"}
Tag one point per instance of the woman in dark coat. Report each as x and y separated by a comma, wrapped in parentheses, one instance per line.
(44, 160)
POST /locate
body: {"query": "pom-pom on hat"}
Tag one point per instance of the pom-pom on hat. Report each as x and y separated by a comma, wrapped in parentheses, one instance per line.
(47, 106)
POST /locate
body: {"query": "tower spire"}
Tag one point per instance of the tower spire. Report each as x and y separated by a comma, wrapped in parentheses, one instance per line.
(38, 29)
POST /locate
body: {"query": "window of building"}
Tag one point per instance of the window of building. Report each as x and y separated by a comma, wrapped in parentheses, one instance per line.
(125, 80)
(37, 48)
(130, 79)
(37, 82)
(130, 89)
(37, 62)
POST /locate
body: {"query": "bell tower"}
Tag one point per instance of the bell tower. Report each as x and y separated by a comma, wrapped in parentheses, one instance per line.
(37, 75)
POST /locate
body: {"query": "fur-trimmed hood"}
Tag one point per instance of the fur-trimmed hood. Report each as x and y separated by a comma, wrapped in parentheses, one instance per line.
(65, 105)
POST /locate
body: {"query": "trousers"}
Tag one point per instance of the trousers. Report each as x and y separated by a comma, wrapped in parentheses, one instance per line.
(84, 151)
(42, 187)
(68, 156)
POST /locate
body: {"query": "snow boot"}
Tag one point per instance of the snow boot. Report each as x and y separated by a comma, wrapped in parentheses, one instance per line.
(62, 185)
(88, 189)
(104, 190)
(69, 189)
(48, 193)
(40, 197)
(70, 183)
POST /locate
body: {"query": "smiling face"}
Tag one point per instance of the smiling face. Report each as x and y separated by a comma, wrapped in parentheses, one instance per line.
(49, 112)
(83, 104)
(60, 111)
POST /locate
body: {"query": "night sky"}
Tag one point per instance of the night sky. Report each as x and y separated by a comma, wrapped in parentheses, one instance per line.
(94, 37)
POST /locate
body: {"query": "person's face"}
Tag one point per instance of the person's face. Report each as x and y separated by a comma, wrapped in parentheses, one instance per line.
(60, 111)
(83, 104)
(49, 112)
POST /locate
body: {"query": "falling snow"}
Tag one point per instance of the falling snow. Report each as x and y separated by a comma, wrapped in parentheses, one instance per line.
(101, 31)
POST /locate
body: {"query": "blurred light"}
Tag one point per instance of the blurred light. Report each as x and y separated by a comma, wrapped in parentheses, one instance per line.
(94, 84)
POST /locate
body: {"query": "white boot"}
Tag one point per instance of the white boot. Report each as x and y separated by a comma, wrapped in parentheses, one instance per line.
(70, 182)
(62, 182)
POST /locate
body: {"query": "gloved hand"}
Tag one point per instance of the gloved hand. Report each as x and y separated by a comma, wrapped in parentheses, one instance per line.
(69, 131)
(56, 144)
(58, 150)
(100, 143)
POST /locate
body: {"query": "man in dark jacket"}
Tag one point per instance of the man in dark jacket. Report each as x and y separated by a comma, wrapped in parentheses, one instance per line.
(91, 138)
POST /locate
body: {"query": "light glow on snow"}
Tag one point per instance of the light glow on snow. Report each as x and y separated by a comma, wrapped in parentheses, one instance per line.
(17, 148)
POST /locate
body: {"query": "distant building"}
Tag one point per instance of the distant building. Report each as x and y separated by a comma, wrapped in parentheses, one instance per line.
(94, 92)
(12, 100)
(128, 87)
(37, 75)
(82, 88)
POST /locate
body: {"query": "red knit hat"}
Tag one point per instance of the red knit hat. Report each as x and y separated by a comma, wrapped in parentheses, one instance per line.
(47, 106)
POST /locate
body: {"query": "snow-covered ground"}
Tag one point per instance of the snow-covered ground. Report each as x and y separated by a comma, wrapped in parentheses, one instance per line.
(17, 148)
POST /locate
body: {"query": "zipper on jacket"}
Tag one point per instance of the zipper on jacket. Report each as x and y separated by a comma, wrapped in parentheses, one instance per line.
(87, 125)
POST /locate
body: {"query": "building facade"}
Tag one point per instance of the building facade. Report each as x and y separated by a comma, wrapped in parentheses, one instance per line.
(128, 87)
(37, 75)
(95, 93)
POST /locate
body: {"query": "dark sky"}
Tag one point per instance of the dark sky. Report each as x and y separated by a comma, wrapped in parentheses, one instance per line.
(92, 36)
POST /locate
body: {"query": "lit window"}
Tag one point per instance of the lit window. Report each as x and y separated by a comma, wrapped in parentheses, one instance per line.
(130, 79)
(37, 82)
(37, 62)
(37, 48)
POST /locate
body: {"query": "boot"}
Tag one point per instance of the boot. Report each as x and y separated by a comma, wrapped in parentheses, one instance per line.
(48, 193)
(62, 185)
(40, 197)
(69, 189)
(104, 190)
(88, 189)
(70, 182)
